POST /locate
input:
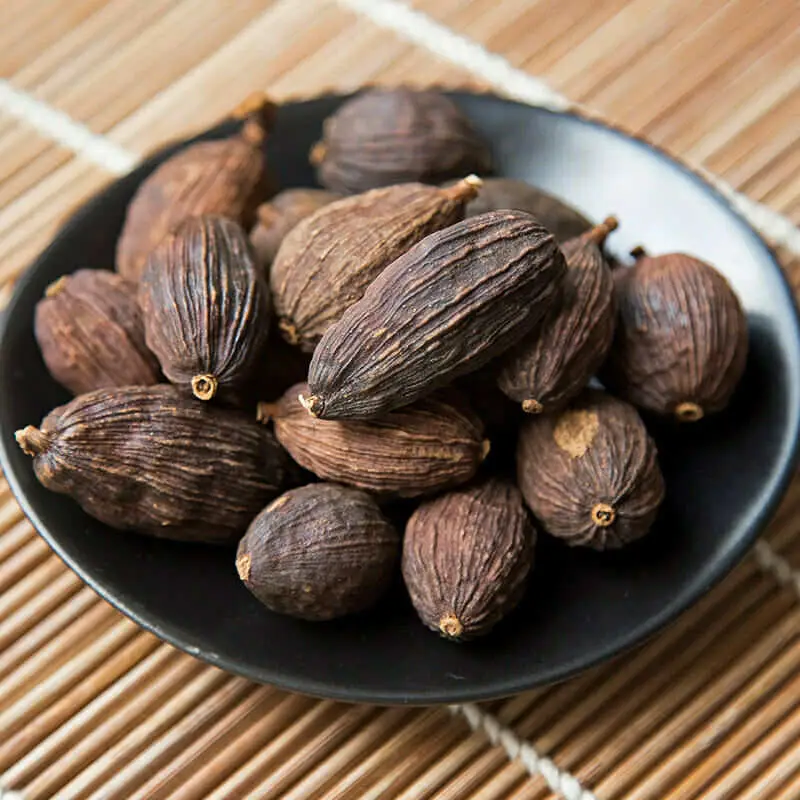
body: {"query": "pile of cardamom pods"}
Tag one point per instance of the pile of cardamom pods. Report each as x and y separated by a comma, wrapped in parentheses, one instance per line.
(388, 371)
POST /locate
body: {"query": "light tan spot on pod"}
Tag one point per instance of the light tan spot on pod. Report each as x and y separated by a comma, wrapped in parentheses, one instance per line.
(243, 564)
(575, 431)
(279, 503)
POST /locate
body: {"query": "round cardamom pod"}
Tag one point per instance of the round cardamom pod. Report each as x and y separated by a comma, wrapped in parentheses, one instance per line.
(431, 445)
(277, 217)
(562, 220)
(590, 473)
(151, 460)
(446, 307)
(206, 309)
(387, 136)
(90, 331)
(228, 177)
(319, 552)
(466, 557)
(553, 364)
(326, 263)
(681, 341)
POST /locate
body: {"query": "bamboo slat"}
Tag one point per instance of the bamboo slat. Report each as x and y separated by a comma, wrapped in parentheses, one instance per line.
(92, 707)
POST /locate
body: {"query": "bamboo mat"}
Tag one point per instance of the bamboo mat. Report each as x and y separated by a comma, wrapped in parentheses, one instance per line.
(91, 706)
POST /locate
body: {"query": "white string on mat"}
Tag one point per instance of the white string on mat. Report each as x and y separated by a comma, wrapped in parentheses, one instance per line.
(417, 27)
(559, 781)
(63, 129)
(773, 563)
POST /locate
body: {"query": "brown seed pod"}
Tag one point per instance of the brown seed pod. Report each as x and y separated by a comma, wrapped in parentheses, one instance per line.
(387, 136)
(466, 556)
(90, 331)
(319, 552)
(206, 308)
(553, 364)
(150, 459)
(227, 177)
(431, 445)
(681, 341)
(277, 217)
(329, 259)
(445, 308)
(590, 473)
(563, 221)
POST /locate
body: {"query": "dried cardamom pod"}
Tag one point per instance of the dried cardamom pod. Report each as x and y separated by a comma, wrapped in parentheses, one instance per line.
(206, 308)
(227, 177)
(277, 217)
(681, 341)
(562, 220)
(466, 556)
(431, 445)
(150, 459)
(553, 364)
(319, 552)
(446, 307)
(590, 473)
(328, 260)
(90, 331)
(386, 136)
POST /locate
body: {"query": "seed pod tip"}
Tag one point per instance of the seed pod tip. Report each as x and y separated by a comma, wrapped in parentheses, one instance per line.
(531, 406)
(603, 515)
(204, 387)
(313, 404)
(450, 626)
(56, 287)
(266, 412)
(318, 153)
(688, 412)
(32, 440)
(258, 113)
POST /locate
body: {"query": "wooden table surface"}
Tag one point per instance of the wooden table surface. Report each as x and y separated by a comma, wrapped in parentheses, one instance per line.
(91, 706)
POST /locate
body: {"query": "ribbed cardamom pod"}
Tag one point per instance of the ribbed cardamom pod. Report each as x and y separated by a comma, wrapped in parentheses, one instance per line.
(277, 217)
(431, 445)
(562, 220)
(387, 136)
(328, 260)
(466, 558)
(553, 364)
(227, 177)
(206, 308)
(590, 473)
(150, 459)
(446, 307)
(681, 341)
(90, 331)
(319, 552)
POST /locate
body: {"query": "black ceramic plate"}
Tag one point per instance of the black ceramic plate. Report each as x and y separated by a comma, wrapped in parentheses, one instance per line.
(724, 475)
